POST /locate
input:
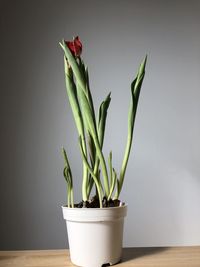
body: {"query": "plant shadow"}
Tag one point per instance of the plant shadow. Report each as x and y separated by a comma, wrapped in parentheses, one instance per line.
(133, 253)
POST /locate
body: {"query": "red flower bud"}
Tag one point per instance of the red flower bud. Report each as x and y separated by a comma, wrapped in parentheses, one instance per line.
(75, 46)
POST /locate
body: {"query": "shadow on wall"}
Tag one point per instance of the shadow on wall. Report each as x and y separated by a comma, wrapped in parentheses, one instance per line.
(155, 207)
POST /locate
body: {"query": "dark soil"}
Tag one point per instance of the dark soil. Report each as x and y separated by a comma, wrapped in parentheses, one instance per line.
(94, 203)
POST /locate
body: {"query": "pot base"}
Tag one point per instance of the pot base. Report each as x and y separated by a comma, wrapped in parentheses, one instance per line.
(103, 265)
(99, 265)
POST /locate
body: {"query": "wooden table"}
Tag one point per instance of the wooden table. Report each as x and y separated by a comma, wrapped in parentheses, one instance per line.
(141, 257)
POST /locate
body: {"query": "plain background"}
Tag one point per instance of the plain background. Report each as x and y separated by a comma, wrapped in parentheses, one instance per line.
(162, 186)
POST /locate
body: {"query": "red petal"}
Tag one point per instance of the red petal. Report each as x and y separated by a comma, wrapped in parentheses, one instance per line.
(75, 46)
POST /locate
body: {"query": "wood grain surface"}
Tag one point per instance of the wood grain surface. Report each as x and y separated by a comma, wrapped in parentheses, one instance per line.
(141, 257)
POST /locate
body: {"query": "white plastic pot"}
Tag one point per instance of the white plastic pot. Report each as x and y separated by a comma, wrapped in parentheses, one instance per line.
(95, 235)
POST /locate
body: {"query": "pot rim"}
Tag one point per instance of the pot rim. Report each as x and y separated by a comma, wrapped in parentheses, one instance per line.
(94, 214)
(95, 209)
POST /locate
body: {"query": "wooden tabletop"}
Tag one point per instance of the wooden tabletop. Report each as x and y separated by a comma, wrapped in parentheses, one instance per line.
(141, 257)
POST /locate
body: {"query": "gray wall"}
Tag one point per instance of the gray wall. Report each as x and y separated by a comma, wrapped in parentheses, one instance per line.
(162, 186)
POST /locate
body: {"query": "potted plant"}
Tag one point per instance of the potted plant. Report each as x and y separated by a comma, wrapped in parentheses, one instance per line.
(95, 225)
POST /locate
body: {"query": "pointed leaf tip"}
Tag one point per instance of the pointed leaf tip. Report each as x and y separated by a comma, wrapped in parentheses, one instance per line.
(61, 45)
(145, 60)
(142, 66)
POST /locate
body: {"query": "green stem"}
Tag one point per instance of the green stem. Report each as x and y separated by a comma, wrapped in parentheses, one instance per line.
(72, 197)
(103, 165)
(92, 174)
(68, 198)
(114, 178)
(85, 174)
(126, 157)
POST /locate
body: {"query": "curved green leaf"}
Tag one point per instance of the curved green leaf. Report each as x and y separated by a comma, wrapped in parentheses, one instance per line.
(135, 92)
(102, 118)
